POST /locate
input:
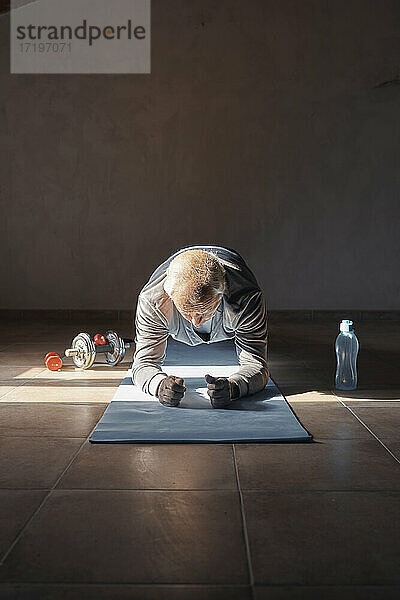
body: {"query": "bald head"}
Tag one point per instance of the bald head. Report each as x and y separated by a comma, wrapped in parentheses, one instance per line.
(195, 281)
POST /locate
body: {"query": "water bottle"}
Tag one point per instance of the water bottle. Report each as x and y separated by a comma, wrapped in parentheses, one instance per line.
(346, 347)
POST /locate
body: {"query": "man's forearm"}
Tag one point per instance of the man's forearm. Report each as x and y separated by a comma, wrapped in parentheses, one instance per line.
(150, 347)
(251, 346)
(147, 377)
(250, 379)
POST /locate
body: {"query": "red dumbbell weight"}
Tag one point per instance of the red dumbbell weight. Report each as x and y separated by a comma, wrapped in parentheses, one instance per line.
(53, 361)
(99, 340)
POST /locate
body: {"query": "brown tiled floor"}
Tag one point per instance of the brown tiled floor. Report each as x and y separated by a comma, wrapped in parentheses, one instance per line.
(330, 538)
(276, 521)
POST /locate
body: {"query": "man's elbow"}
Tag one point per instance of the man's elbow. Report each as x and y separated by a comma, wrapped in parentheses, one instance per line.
(137, 375)
(260, 380)
(265, 375)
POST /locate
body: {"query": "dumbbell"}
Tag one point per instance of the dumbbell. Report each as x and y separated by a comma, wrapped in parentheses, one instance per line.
(84, 350)
(53, 361)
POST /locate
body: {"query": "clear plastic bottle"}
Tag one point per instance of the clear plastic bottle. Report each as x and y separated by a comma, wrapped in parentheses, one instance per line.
(346, 347)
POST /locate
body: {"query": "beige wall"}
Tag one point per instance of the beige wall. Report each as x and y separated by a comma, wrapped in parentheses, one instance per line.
(260, 128)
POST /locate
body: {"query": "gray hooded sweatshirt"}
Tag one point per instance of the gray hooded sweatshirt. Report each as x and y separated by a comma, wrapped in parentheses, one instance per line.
(241, 315)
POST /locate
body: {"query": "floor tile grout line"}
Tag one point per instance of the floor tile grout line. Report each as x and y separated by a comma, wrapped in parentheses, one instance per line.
(42, 437)
(44, 583)
(368, 429)
(374, 403)
(125, 489)
(244, 523)
(38, 508)
(58, 403)
(19, 386)
(49, 402)
(206, 586)
(281, 491)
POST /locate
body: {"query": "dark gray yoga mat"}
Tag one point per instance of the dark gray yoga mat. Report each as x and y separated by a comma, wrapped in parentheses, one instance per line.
(133, 416)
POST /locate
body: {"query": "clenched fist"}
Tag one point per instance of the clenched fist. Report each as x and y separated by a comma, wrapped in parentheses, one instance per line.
(171, 390)
(221, 391)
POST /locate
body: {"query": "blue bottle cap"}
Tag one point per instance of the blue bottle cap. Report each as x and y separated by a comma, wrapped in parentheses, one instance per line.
(346, 326)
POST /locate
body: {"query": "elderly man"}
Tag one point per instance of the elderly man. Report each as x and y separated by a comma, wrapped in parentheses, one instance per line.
(201, 294)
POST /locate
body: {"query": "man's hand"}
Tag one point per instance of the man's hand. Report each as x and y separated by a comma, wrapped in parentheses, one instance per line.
(221, 391)
(171, 390)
